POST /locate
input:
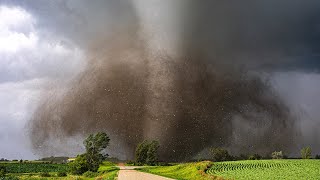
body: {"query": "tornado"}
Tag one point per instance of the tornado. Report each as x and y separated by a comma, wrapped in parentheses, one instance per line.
(213, 91)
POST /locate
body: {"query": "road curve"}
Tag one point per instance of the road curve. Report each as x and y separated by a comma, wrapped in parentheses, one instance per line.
(128, 173)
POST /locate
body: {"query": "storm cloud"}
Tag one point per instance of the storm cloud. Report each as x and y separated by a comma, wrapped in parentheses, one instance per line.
(189, 74)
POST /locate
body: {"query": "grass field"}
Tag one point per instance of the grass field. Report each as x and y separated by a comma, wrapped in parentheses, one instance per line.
(32, 171)
(182, 171)
(267, 169)
(34, 167)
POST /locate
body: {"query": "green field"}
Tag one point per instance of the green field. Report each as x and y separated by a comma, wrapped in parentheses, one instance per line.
(34, 167)
(106, 171)
(267, 169)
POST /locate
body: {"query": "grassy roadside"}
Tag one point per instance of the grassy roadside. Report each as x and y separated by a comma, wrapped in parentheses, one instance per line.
(184, 171)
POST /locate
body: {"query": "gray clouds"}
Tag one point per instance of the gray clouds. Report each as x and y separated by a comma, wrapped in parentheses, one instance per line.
(263, 37)
(30, 60)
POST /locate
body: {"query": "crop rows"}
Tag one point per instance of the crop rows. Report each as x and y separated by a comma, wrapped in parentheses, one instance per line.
(267, 169)
(222, 167)
(33, 167)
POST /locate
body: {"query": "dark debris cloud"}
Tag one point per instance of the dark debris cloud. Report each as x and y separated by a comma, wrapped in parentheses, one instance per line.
(215, 92)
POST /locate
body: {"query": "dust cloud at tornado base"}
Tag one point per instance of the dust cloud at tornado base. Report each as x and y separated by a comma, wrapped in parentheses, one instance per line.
(213, 92)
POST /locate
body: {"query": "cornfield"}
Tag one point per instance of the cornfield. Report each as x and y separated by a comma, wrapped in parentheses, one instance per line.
(267, 169)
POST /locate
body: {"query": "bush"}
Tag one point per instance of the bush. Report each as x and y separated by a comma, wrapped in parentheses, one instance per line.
(130, 163)
(257, 156)
(306, 153)
(204, 165)
(220, 154)
(3, 171)
(45, 174)
(61, 174)
(79, 165)
(90, 174)
(251, 157)
(277, 155)
(317, 156)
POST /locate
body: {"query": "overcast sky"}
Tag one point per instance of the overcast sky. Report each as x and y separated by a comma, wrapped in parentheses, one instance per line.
(40, 44)
(30, 57)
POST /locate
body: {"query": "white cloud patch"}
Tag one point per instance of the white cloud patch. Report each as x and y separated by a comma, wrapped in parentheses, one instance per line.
(16, 27)
(30, 58)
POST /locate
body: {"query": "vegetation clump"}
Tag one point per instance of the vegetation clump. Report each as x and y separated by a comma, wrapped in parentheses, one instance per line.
(95, 145)
(277, 155)
(90, 174)
(45, 174)
(220, 154)
(3, 171)
(61, 174)
(255, 157)
(147, 153)
(306, 153)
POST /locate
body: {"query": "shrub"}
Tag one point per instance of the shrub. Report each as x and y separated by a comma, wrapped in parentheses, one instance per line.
(45, 174)
(79, 165)
(257, 156)
(306, 153)
(130, 163)
(204, 165)
(277, 155)
(317, 156)
(90, 174)
(251, 157)
(61, 174)
(220, 154)
(3, 171)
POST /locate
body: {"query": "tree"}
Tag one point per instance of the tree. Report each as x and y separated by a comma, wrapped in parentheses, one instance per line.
(152, 153)
(220, 154)
(277, 155)
(147, 153)
(306, 153)
(317, 156)
(95, 145)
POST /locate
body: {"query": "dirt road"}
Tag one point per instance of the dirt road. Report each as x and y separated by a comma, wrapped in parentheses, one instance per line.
(128, 173)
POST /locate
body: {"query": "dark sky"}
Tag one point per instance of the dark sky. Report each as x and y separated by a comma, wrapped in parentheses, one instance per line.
(52, 40)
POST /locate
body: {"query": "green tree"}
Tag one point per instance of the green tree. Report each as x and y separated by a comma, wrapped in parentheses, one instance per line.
(306, 153)
(95, 145)
(277, 155)
(220, 154)
(147, 153)
(152, 153)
